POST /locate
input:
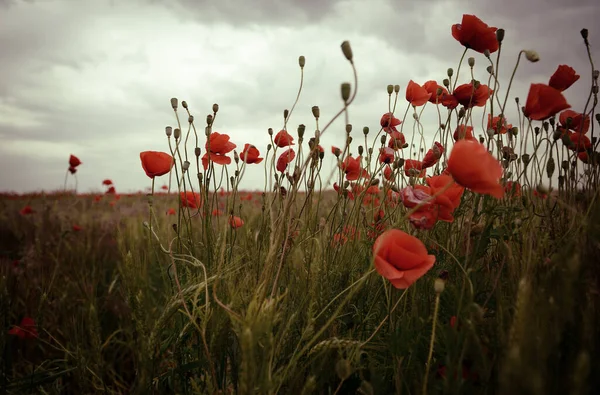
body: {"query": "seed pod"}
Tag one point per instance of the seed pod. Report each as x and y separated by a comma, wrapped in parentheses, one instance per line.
(550, 166)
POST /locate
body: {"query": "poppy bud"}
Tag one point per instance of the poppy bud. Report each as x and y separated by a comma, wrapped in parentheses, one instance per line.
(561, 181)
(399, 163)
(346, 184)
(439, 91)
(556, 135)
(550, 166)
(184, 104)
(347, 50)
(174, 103)
(301, 61)
(370, 151)
(439, 285)
(209, 119)
(232, 181)
(375, 182)
(532, 56)
(316, 111)
(191, 119)
(598, 118)
(517, 100)
(236, 157)
(169, 131)
(595, 89)
(269, 146)
(514, 131)
(207, 130)
(461, 112)
(360, 150)
(415, 116)
(584, 34)
(186, 165)
(450, 72)
(177, 133)
(390, 89)
(542, 189)
(476, 84)
(490, 69)
(525, 159)
(565, 165)
(446, 82)
(348, 140)
(197, 151)
(481, 139)
(500, 35)
(596, 74)
(551, 120)
(301, 129)
(490, 133)
(345, 89)
(348, 128)
(286, 112)
(383, 138)
(536, 130)
(366, 130)
(486, 53)
(471, 61)
(270, 131)
(215, 108)
(396, 88)
(321, 155)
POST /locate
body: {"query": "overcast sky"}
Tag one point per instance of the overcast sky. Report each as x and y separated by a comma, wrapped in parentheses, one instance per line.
(94, 77)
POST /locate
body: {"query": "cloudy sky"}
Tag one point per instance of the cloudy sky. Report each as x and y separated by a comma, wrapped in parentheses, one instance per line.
(94, 77)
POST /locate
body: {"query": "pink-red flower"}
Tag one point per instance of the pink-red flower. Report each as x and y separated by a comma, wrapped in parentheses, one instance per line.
(285, 159)
(416, 95)
(156, 164)
(401, 258)
(250, 154)
(473, 167)
(283, 139)
(563, 77)
(474, 34)
(544, 101)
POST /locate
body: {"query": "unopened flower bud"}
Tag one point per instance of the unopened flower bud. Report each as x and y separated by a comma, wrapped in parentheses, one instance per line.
(532, 56)
(490, 69)
(390, 89)
(270, 131)
(596, 74)
(186, 165)
(269, 146)
(345, 89)
(177, 133)
(446, 82)
(490, 133)
(348, 128)
(236, 157)
(486, 53)
(174, 103)
(215, 108)
(415, 116)
(301, 61)
(347, 50)
(366, 130)
(500, 35)
(584, 34)
(209, 119)
(301, 129)
(450, 72)
(471, 61)
(184, 104)
(168, 131)
(197, 151)
(286, 112)
(191, 119)
(360, 150)
(383, 138)
(316, 112)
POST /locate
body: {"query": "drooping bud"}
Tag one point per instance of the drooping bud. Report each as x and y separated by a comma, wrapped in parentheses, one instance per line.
(500, 35)
(486, 53)
(286, 112)
(532, 56)
(490, 69)
(184, 104)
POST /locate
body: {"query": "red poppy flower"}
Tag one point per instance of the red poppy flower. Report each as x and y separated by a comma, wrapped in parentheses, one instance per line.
(283, 139)
(433, 155)
(578, 122)
(26, 210)
(397, 140)
(389, 122)
(386, 155)
(76, 228)
(156, 164)
(512, 189)
(416, 95)
(463, 132)
(72, 170)
(544, 101)
(498, 124)
(563, 78)
(580, 141)
(388, 173)
(235, 222)
(401, 258)
(449, 101)
(250, 154)
(432, 87)
(335, 150)
(171, 211)
(74, 161)
(468, 96)
(413, 167)
(191, 199)
(111, 191)
(107, 182)
(352, 168)
(285, 159)
(25, 330)
(474, 34)
(473, 167)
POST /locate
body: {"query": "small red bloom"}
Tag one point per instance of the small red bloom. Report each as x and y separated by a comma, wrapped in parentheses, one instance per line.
(236, 222)
(474, 34)
(352, 168)
(74, 161)
(107, 182)
(77, 228)
(463, 132)
(498, 124)
(433, 155)
(156, 164)
(250, 154)
(25, 330)
(563, 78)
(389, 122)
(468, 96)
(171, 211)
(416, 95)
(285, 159)
(283, 139)
(473, 167)
(26, 210)
(577, 122)
(433, 88)
(191, 199)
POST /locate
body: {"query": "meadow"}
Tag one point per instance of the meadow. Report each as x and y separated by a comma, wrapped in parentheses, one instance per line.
(468, 266)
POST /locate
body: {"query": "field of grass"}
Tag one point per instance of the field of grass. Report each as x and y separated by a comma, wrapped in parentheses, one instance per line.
(301, 289)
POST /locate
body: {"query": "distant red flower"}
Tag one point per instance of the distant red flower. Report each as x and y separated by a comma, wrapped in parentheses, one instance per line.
(389, 122)
(74, 161)
(544, 101)
(474, 34)
(171, 211)
(401, 258)
(26, 210)
(111, 191)
(512, 189)
(76, 228)
(433, 155)
(414, 168)
(191, 199)
(432, 87)
(563, 78)
(416, 95)
(235, 222)
(283, 139)
(397, 140)
(164, 188)
(25, 330)
(250, 154)
(72, 170)
(463, 132)
(498, 124)
(352, 168)
(578, 122)
(386, 155)
(473, 167)
(107, 182)
(285, 159)
(388, 173)
(156, 164)
(468, 96)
